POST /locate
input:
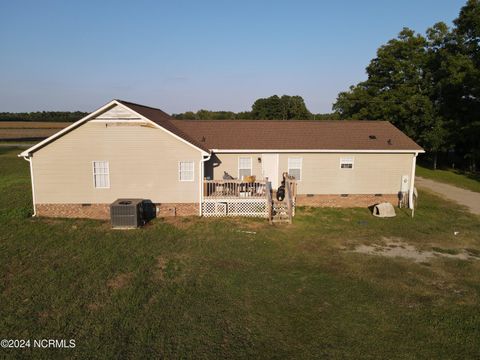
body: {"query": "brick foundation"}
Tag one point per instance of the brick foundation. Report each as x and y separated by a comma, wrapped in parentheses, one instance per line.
(352, 200)
(102, 211)
(177, 209)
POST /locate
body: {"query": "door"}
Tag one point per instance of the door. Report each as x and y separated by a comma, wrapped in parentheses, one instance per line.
(270, 168)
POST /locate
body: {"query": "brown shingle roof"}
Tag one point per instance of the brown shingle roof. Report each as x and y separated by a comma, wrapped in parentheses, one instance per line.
(281, 134)
(296, 135)
(284, 135)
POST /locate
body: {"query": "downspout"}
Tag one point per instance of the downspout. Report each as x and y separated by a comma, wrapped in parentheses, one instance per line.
(202, 172)
(30, 160)
(412, 183)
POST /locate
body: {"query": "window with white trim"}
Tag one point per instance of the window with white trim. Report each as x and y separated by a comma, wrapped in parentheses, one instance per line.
(101, 174)
(346, 163)
(295, 168)
(244, 167)
(186, 170)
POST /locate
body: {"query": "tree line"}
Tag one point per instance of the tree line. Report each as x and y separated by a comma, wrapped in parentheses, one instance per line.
(54, 116)
(275, 107)
(283, 107)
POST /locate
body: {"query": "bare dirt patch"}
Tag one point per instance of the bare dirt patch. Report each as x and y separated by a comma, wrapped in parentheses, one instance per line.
(160, 266)
(251, 224)
(180, 222)
(43, 315)
(94, 306)
(171, 268)
(228, 264)
(119, 281)
(395, 247)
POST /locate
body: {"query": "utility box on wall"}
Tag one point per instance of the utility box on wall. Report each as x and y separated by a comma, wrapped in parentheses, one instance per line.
(404, 187)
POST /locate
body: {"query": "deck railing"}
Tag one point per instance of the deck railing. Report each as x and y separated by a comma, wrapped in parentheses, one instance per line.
(234, 189)
(268, 193)
(289, 186)
(293, 186)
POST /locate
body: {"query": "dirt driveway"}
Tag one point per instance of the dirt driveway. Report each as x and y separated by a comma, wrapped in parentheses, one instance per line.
(465, 197)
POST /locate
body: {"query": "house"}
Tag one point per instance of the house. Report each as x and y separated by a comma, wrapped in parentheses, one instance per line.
(127, 150)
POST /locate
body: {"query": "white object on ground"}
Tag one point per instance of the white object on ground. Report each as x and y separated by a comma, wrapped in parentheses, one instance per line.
(384, 209)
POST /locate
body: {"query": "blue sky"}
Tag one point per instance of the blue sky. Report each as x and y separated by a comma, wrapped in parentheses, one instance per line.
(187, 55)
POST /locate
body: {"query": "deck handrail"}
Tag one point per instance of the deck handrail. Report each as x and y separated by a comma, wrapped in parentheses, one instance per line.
(289, 199)
(268, 191)
(234, 189)
(234, 181)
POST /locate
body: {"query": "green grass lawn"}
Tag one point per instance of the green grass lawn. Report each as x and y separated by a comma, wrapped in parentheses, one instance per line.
(464, 180)
(205, 288)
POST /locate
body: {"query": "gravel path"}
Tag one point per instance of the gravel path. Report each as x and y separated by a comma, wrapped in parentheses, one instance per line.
(465, 197)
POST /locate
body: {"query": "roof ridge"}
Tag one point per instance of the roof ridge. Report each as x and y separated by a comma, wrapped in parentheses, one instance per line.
(124, 102)
(290, 120)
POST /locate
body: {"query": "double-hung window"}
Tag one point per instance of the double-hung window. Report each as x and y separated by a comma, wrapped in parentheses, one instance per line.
(101, 174)
(186, 170)
(244, 167)
(295, 168)
(346, 163)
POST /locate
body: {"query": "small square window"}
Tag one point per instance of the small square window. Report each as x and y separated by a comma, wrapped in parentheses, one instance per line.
(295, 168)
(186, 170)
(346, 163)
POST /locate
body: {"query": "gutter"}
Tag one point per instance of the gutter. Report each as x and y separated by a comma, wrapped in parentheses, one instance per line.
(386, 151)
(202, 172)
(412, 183)
(29, 158)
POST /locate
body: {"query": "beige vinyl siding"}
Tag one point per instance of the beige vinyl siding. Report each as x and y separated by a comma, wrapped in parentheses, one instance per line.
(321, 172)
(371, 173)
(143, 163)
(229, 163)
(118, 112)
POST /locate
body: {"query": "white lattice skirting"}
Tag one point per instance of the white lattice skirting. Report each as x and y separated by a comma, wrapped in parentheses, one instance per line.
(235, 207)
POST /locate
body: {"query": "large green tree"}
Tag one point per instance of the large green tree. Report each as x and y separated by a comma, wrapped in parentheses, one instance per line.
(274, 107)
(429, 86)
(466, 97)
(398, 88)
(285, 107)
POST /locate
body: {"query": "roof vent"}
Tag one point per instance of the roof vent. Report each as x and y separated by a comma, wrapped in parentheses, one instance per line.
(203, 139)
(372, 137)
(389, 141)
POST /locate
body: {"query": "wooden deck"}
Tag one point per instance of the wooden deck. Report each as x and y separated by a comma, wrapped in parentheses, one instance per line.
(252, 199)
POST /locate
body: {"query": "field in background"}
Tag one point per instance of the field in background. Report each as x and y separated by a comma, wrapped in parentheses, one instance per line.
(18, 131)
(238, 288)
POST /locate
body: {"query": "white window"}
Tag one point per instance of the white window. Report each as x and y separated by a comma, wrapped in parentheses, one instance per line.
(186, 170)
(346, 163)
(295, 168)
(101, 174)
(244, 167)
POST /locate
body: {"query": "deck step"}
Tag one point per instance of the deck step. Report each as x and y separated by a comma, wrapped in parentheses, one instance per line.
(280, 212)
